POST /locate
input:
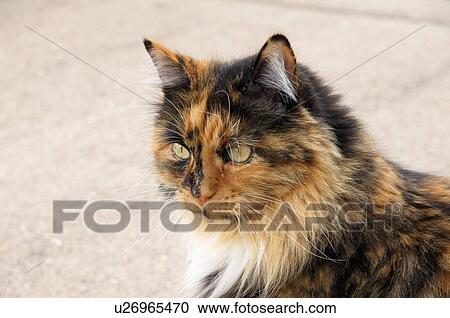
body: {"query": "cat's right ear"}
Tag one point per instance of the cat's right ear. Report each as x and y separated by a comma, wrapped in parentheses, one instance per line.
(168, 65)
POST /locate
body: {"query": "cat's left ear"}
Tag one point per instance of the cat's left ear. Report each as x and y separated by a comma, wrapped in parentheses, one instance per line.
(168, 64)
(276, 67)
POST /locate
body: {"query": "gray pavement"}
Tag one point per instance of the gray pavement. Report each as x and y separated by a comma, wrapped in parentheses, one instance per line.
(69, 132)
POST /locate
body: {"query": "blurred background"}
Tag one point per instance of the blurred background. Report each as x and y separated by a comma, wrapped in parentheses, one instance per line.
(69, 132)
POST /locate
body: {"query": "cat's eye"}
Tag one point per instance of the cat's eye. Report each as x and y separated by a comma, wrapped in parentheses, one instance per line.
(180, 152)
(240, 153)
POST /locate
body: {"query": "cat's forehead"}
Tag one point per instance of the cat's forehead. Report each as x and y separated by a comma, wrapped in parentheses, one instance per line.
(208, 125)
(210, 104)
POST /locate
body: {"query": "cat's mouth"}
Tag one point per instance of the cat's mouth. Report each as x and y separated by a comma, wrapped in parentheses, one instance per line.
(202, 202)
(227, 208)
(216, 209)
(231, 212)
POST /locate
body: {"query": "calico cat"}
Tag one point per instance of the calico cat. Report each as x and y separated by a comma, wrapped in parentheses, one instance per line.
(265, 129)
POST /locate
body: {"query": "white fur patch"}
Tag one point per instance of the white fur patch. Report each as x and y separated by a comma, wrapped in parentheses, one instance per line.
(274, 75)
(230, 258)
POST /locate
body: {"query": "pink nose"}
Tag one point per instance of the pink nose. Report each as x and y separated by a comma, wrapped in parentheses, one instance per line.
(204, 197)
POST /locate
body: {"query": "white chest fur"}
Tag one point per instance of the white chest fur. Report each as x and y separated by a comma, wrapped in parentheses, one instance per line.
(217, 266)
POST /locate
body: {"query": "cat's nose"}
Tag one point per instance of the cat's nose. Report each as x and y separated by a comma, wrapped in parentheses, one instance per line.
(204, 196)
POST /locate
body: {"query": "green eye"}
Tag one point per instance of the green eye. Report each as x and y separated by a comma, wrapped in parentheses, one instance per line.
(180, 152)
(240, 153)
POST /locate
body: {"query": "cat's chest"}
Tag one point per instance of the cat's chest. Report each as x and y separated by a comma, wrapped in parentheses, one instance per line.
(218, 269)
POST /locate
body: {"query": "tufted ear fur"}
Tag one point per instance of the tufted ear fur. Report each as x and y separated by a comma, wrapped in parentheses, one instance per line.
(168, 65)
(276, 67)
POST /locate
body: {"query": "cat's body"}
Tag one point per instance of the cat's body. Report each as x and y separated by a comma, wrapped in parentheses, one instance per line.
(306, 150)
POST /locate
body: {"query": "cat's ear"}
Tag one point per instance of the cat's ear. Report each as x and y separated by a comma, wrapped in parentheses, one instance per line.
(276, 67)
(168, 65)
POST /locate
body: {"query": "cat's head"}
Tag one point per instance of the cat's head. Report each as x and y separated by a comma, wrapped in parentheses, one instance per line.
(236, 131)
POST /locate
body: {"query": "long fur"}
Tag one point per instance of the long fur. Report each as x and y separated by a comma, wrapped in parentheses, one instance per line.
(311, 158)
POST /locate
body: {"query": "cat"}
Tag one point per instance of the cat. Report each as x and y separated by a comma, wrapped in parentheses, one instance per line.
(266, 129)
